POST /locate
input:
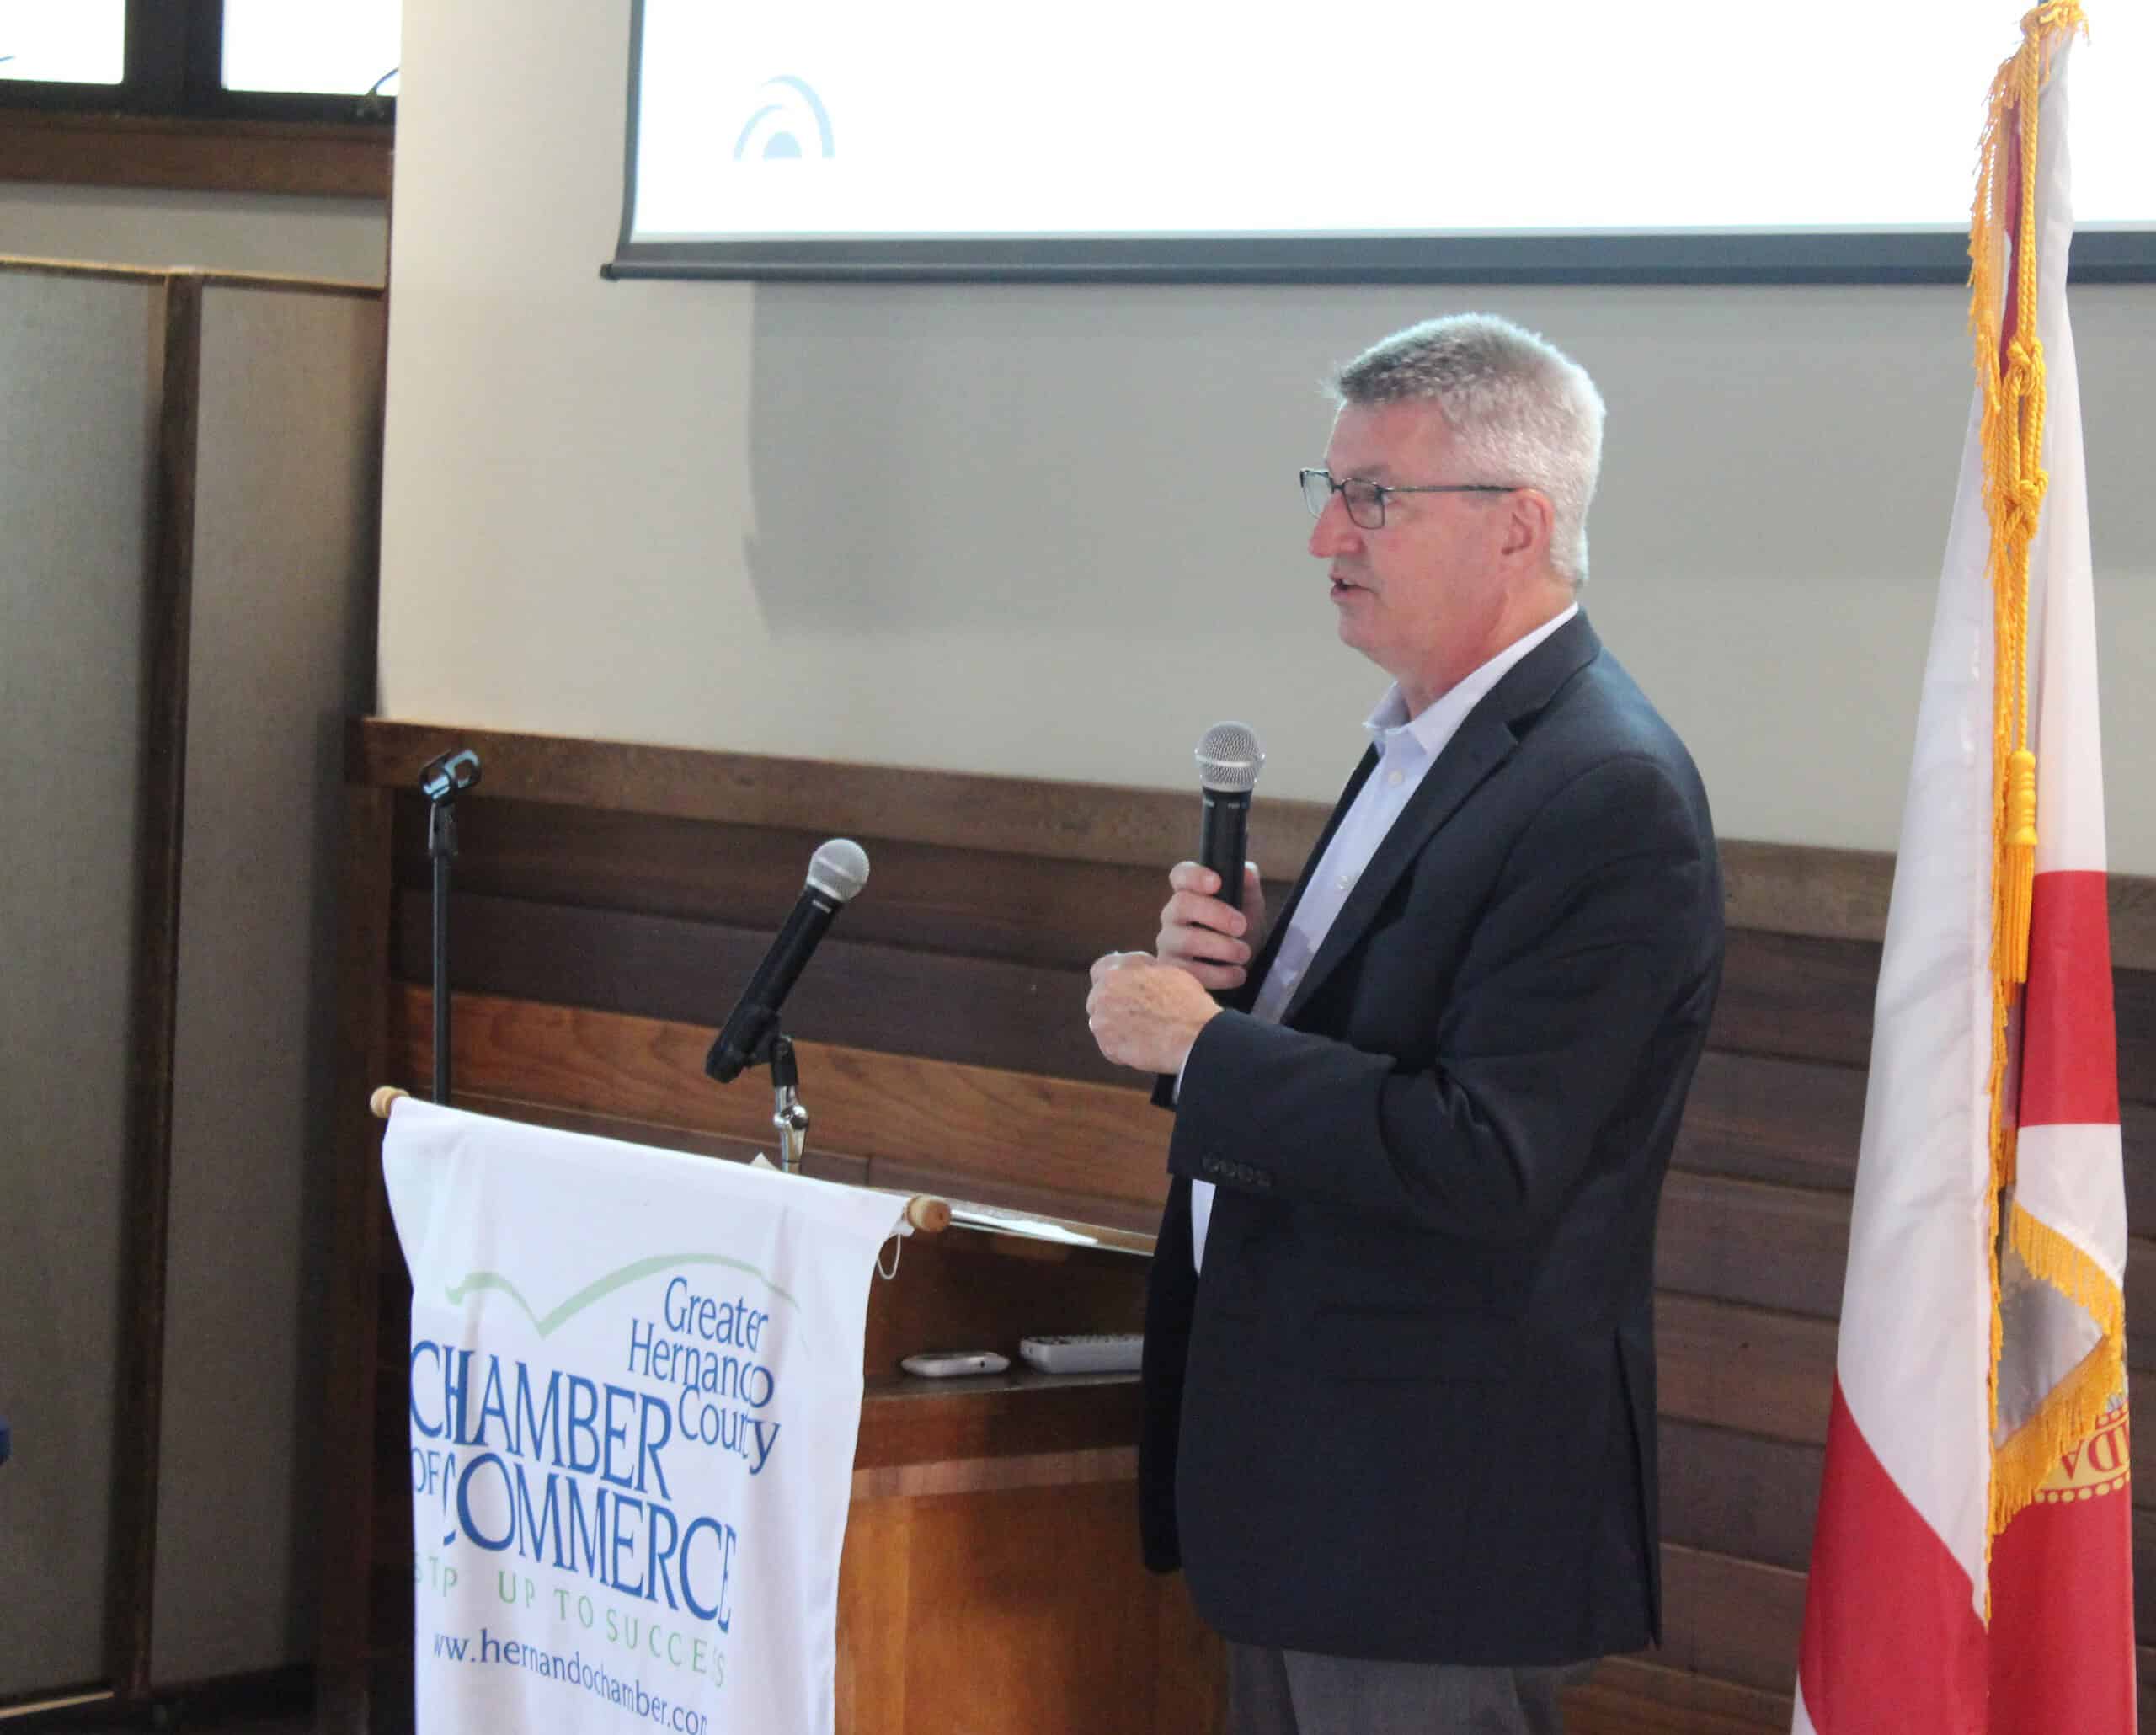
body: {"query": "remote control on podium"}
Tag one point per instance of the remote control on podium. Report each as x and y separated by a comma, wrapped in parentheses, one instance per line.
(1084, 1353)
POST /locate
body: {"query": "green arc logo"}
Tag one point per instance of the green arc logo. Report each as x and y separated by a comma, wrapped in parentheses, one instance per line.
(600, 1287)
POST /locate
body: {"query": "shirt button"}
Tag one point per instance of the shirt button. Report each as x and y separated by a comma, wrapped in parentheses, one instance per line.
(1291, 977)
(1396, 779)
(1345, 881)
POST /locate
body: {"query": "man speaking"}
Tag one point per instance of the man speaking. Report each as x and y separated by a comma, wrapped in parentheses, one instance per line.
(1399, 1385)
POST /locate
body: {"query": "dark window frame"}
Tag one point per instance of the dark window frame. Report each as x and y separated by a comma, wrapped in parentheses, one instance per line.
(175, 71)
(171, 124)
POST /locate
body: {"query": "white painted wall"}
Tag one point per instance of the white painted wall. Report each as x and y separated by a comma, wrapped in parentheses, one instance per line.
(1053, 530)
(344, 239)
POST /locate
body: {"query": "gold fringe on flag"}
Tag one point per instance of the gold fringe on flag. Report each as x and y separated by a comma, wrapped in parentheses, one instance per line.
(2011, 370)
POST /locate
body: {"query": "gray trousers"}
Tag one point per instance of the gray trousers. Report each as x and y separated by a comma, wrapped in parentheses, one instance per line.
(1297, 1693)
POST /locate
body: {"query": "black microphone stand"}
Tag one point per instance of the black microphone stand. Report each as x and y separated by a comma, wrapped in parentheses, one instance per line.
(442, 782)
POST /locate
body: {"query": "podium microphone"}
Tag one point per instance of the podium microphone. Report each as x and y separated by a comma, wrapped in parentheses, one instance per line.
(1229, 760)
(838, 870)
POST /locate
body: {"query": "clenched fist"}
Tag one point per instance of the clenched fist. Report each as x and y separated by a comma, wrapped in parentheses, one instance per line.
(1146, 1014)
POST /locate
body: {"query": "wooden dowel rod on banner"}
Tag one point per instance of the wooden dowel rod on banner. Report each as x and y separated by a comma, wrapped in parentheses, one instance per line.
(931, 1216)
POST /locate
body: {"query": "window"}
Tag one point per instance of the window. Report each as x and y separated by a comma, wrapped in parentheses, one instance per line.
(266, 60)
(261, 96)
(83, 42)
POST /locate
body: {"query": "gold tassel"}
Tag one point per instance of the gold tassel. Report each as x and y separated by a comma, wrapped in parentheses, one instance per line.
(2020, 860)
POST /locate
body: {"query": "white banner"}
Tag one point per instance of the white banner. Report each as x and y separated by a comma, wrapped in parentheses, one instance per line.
(636, 1385)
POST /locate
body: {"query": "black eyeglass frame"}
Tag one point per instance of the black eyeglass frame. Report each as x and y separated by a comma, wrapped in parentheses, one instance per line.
(1379, 490)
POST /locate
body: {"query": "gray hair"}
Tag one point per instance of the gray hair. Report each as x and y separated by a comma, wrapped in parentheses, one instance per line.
(1521, 411)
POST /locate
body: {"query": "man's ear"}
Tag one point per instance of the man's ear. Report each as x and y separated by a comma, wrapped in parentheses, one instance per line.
(1529, 519)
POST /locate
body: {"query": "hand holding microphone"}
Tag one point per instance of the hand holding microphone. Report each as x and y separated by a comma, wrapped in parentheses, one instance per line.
(1210, 923)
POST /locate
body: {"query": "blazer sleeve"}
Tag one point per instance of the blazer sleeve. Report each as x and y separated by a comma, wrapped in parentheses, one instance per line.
(1604, 919)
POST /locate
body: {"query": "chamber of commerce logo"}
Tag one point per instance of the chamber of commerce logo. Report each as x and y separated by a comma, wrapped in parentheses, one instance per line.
(789, 122)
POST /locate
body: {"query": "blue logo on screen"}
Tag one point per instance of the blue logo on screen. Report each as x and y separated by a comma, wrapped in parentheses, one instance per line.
(790, 124)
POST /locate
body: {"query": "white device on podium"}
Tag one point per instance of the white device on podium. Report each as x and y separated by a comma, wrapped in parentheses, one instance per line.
(1084, 1353)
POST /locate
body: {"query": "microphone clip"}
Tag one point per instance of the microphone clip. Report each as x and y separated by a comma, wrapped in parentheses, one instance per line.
(788, 1117)
(442, 779)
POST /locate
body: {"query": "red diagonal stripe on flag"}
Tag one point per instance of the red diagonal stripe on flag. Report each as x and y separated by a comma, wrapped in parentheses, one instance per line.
(1891, 1641)
(2069, 1048)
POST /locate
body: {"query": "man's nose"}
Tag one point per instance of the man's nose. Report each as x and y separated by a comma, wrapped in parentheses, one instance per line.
(1335, 533)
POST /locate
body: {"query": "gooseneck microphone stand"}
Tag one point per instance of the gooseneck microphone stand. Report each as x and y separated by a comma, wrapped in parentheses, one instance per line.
(442, 782)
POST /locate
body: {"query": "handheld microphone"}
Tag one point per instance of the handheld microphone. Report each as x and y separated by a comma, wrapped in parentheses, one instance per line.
(1229, 760)
(838, 870)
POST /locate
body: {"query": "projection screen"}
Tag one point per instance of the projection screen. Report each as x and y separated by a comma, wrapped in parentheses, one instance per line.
(1550, 140)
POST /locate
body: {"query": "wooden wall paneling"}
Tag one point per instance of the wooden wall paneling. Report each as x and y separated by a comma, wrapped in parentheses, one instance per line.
(1083, 1139)
(967, 903)
(1799, 1123)
(353, 1332)
(1744, 1368)
(1781, 888)
(1756, 1371)
(897, 1000)
(1631, 1696)
(1843, 894)
(1800, 997)
(193, 155)
(1740, 1494)
(1807, 999)
(822, 1165)
(1085, 822)
(1733, 1620)
(1126, 1217)
(2133, 1001)
(1827, 893)
(1778, 1247)
(2144, 1579)
(1757, 1118)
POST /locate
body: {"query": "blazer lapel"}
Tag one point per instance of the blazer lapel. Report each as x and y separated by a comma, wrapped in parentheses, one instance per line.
(1483, 742)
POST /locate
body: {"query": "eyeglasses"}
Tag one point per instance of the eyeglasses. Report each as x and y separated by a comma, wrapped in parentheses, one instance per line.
(1365, 500)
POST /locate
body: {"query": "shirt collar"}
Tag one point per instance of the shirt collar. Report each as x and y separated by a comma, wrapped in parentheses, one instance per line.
(1441, 719)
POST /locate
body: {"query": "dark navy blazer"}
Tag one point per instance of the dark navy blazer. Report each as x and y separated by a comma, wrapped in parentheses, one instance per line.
(1408, 1411)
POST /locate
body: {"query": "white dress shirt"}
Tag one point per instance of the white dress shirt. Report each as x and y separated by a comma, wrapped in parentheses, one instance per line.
(1407, 747)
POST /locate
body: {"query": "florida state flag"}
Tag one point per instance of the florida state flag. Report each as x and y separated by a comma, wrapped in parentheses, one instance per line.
(1971, 1571)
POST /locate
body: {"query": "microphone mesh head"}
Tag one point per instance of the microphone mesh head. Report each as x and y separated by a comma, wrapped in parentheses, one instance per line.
(839, 869)
(1230, 759)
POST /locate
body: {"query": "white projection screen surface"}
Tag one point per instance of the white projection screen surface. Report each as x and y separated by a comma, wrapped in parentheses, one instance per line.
(1545, 139)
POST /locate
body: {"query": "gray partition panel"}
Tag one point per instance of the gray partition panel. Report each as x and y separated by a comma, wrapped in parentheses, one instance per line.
(80, 361)
(281, 653)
